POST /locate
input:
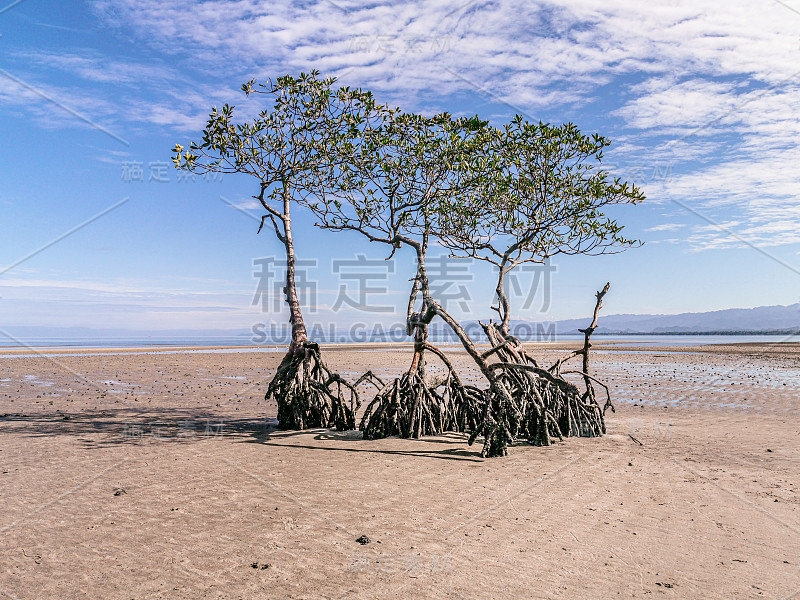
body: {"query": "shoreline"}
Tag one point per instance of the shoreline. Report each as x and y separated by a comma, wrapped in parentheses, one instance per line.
(607, 345)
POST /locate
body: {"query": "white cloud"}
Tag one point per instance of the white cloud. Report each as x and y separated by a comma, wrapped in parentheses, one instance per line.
(94, 67)
(676, 108)
(666, 227)
(54, 106)
(247, 205)
(404, 46)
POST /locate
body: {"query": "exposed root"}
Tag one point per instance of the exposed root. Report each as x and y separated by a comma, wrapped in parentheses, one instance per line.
(310, 395)
(543, 406)
(493, 426)
(469, 401)
(411, 407)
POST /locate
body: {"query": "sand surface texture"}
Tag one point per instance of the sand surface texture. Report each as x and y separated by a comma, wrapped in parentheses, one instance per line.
(145, 475)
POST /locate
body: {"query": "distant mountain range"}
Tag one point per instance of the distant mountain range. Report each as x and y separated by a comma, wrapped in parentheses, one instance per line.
(739, 320)
(763, 319)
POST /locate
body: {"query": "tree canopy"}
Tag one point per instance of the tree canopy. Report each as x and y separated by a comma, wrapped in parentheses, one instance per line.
(394, 177)
(534, 191)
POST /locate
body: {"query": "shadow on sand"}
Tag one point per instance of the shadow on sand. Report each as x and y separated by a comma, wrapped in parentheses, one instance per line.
(278, 437)
(115, 427)
(129, 426)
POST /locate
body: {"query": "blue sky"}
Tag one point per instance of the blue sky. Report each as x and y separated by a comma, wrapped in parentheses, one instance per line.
(701, 102)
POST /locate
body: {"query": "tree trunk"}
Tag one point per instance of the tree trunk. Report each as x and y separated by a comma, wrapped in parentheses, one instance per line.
(413, 405)
(307, 392)
(503, 304)
(415, 323)
(497, 437)
(299, 333)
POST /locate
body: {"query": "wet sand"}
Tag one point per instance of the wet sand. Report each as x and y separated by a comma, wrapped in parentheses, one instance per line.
(142, 474)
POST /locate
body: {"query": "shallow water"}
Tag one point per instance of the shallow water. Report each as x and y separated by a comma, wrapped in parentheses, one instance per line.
(199, 351)
(245, 341)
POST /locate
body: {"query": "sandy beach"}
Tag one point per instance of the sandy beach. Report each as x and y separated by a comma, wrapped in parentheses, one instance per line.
(139, 475)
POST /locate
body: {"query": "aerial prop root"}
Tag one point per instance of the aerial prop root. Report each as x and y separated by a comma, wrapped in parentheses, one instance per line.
(539, 405)
(413, 406)
(310, 395)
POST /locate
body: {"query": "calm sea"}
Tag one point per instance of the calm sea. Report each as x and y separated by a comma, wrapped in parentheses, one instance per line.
(244, 341)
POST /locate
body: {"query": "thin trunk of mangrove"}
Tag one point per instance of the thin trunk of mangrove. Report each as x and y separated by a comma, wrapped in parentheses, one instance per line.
(308, 394)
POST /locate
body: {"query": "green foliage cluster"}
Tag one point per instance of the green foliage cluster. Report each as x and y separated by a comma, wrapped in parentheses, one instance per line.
(523, 191)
